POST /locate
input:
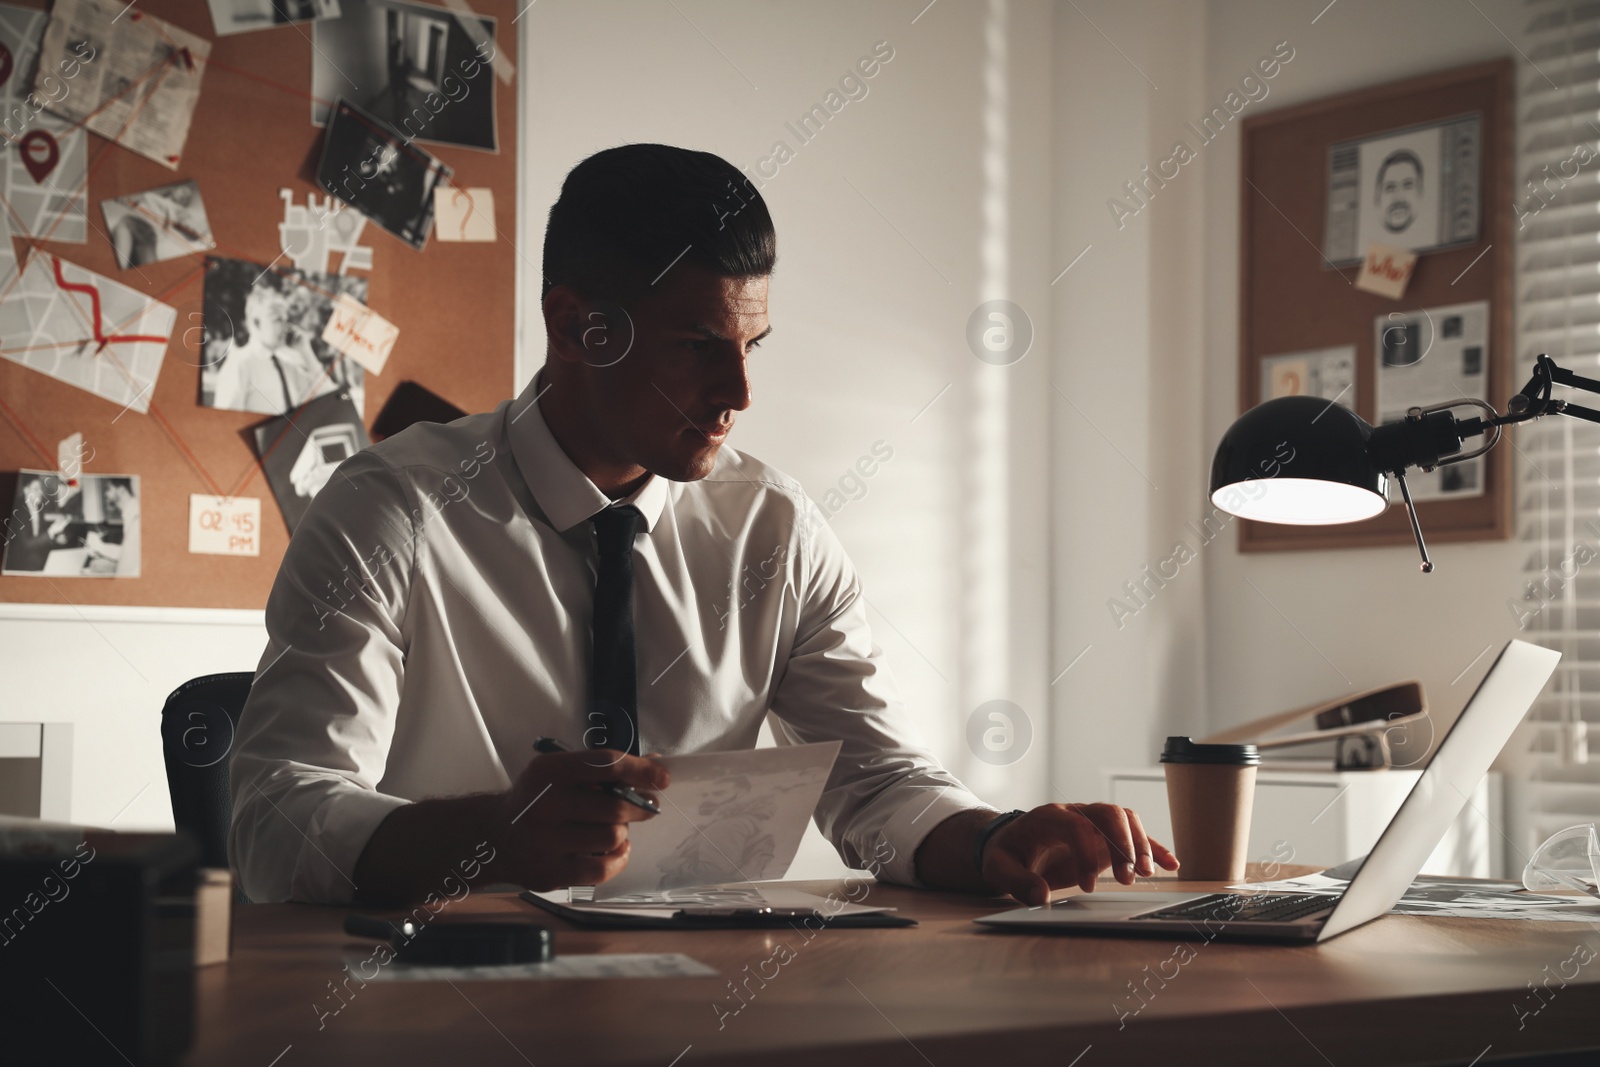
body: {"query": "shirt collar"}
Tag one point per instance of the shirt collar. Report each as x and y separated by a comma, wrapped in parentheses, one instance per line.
(563, 492)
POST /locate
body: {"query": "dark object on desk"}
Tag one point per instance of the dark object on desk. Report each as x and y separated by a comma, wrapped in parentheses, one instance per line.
(197, 725)
(745, 919)
(458, 944)
(99, 948)
(410, 403)
(1361, 726)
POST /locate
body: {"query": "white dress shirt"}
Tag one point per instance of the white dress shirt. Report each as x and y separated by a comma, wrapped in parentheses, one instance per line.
(432, 617)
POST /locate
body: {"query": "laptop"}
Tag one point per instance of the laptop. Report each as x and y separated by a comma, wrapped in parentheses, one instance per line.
(1463, 757)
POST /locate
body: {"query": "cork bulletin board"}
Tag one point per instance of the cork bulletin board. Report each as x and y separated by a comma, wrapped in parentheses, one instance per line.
(1300, 307)
(251, 136)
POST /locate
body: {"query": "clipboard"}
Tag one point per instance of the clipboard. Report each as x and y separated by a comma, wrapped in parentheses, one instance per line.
(595, 920)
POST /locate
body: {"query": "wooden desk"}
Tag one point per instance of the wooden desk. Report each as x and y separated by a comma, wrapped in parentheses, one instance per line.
(1401, 990)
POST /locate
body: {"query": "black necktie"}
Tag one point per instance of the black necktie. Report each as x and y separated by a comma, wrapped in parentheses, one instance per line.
(613, 690)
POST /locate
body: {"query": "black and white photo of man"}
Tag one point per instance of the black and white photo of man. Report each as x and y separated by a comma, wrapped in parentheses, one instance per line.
(1398, 189)
(263, 330)
(85, 527)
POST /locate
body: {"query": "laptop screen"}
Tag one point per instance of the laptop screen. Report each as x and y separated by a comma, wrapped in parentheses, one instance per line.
(1484, 726)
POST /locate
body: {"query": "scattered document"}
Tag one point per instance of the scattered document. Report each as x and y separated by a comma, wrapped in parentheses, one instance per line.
(138, 77)
(1453, 898)
(463, 214)
(593, 965)
(699, 898)
(86, 330)
(726, 817)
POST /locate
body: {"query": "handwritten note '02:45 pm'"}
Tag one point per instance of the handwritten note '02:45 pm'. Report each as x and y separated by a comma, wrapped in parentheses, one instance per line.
(224, 526)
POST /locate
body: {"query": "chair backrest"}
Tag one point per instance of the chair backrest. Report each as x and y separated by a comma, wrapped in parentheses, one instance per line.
(197, 728)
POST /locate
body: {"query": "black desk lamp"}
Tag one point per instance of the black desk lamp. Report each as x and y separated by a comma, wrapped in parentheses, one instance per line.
(1305, 461)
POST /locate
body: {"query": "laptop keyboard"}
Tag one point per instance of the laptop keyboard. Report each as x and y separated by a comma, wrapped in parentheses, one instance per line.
(1252, 907)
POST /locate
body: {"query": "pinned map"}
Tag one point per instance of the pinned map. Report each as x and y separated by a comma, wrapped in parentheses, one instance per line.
(86, 330)
(45, 175)
(311, 232)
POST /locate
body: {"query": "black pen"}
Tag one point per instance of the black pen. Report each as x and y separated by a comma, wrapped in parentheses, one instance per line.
(548, 745)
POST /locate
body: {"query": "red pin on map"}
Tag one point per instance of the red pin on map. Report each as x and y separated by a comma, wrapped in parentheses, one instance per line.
(40, 153)
(6, 63)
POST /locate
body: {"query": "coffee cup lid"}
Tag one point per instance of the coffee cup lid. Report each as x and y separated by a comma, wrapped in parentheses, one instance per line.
(1186, 750)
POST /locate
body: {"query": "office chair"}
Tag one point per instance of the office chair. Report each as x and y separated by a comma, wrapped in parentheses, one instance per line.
(197, 727)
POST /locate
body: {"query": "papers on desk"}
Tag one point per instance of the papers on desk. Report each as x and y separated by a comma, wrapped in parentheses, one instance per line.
(595, 965)
(1455, 898)
(700, 898)
(727, 817)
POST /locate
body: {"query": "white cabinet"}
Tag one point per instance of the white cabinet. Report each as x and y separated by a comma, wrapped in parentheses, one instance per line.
(1325, 818)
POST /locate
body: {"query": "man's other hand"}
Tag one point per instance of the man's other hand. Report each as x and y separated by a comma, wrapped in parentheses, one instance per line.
(563, 828)
(1059, 845)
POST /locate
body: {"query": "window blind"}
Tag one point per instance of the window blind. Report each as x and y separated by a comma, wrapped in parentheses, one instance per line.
(1552, 782)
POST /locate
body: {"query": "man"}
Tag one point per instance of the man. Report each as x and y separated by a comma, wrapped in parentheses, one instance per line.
(1398, 189)
(263, 374)
(588, 562)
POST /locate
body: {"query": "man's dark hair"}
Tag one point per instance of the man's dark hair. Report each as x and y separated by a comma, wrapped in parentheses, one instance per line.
(1399, 155)
(627, 214)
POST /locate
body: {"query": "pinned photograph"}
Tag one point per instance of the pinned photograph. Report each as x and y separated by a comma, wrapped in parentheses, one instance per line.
(388, 180)
(1425, 356)
(263, 328)
(159, 224)
(242, 16)
(1416, 189)
(301, 452)
(86, 527)
(431, 68)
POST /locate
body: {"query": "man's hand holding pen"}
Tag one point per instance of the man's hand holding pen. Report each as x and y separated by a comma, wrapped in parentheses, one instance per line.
(567, 825)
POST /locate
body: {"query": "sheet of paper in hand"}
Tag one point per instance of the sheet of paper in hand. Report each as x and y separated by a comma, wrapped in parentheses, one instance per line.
(726, 817)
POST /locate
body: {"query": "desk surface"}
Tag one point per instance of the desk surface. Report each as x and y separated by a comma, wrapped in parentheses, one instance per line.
(1401, 990)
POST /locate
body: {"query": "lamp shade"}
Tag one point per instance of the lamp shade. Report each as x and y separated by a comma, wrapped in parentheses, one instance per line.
(1298, 460)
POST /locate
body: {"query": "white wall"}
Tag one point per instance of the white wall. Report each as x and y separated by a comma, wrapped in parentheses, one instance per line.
(1358, 617)
(911, 207)
(108, 670)
(1127, 367)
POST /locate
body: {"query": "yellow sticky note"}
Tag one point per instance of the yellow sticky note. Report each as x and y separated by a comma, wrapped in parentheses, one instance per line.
(463, 214)
(360, 333)
(224, 526)
(1386, 270)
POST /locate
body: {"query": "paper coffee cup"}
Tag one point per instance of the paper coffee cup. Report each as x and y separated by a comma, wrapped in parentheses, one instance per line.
(1210, 792)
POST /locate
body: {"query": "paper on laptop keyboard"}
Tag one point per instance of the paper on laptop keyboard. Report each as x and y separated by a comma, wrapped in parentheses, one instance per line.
(726, 817)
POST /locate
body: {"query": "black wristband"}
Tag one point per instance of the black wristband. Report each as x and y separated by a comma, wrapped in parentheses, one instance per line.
(987, 832)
